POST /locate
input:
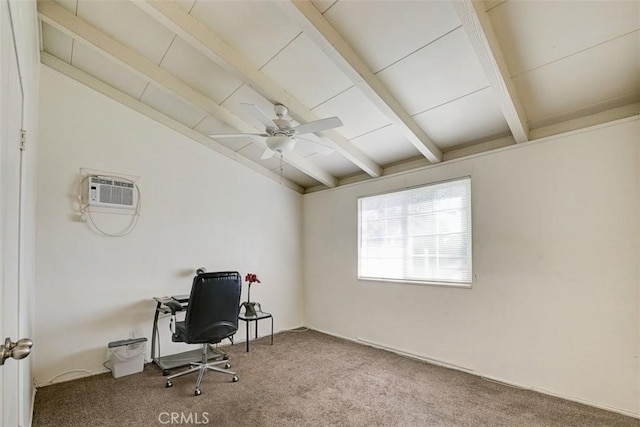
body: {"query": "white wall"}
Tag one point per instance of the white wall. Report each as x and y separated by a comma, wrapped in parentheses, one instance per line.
(199, 209)
(554, 305)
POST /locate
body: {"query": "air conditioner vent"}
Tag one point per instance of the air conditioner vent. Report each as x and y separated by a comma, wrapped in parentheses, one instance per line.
(111, 192)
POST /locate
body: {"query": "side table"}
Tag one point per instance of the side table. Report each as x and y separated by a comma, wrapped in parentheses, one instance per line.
(259, 316)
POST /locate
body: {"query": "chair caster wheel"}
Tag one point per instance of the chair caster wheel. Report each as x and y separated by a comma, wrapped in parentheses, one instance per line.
(165, 372)
(169, 384)
(225, 357)
(234, 379)
(197, 392)
(227, 365)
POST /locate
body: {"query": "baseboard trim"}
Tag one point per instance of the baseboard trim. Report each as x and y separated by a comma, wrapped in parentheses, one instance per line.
(82, 373)
(420, 357)
(445, 364)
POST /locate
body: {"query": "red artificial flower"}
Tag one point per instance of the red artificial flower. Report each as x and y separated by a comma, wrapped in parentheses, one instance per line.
(251, 278)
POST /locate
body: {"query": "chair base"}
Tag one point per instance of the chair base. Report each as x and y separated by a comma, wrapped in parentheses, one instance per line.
(202, 367)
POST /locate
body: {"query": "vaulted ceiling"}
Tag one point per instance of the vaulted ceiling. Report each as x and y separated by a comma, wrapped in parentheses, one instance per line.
(414, 82)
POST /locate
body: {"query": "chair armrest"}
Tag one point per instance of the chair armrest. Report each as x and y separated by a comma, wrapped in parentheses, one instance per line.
(174, 306)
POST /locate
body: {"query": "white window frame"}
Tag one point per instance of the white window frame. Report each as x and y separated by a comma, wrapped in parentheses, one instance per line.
(408, 256)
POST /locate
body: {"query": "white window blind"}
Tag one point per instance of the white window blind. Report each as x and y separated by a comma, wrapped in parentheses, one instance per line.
(421, 234)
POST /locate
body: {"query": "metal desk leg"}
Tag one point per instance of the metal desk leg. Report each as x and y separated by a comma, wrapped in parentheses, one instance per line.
(248, 336)
(154, 333)
(256, 328)
(271, 330)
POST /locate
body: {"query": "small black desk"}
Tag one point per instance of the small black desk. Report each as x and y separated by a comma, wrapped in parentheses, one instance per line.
(260, 315)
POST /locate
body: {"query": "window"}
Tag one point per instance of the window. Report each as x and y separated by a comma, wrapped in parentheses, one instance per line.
(420, 234)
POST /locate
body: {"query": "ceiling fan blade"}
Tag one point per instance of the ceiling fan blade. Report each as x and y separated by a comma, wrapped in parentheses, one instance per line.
(237, 135)
(260, 115)
(267, 154)
(318, 125)
(315, 146)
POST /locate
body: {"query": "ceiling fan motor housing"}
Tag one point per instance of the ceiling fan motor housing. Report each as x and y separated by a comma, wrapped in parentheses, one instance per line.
(284, 127)
(280, 110)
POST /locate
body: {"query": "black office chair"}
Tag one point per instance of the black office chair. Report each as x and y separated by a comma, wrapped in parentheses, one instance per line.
(212, 316)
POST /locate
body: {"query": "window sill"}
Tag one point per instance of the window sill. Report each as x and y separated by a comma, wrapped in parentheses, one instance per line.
(418, 282)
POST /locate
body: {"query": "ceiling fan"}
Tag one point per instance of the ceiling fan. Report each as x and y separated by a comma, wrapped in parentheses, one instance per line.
(281, 134)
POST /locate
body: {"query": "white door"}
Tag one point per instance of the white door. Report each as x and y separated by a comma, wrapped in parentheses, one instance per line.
(10, 189)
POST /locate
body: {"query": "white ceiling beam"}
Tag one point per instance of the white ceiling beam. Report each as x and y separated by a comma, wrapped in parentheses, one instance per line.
(478, 26)
(318, 29)
(128, 58)
(126, 100)
(204, 39)
(587, 121)
(481, 147)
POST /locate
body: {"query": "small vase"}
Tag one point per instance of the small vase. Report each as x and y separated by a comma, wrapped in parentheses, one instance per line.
(249, 308)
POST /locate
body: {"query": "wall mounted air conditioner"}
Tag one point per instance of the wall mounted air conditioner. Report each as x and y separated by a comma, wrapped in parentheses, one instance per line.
(111, 192)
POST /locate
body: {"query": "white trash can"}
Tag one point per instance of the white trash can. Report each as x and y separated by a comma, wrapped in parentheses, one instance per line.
(126, 357)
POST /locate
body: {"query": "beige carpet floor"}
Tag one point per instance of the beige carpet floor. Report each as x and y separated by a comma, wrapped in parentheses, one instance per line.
(310, 379)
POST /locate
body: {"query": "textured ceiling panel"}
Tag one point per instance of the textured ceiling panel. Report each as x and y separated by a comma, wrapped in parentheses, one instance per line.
(91, 62)
(70, 5)
(594, 76)
(246, 95)
(129, 25)
(234, 144)
(387, 31)
(202, 74)
(446, 69)
(257, 29)
(306, 72)
(386, 145)
(172, 106)
(548, 31)
(356, 112)
(470, 118)
(211, 125)
(57, 43)
(335, 164)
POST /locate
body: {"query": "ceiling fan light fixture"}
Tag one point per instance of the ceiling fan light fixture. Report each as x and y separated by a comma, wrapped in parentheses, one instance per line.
(280, 143)
(280, 132)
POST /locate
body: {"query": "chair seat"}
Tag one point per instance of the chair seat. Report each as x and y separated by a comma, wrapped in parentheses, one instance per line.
(211, 334)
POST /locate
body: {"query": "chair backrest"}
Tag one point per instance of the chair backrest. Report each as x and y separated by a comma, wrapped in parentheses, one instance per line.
(214, 305)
